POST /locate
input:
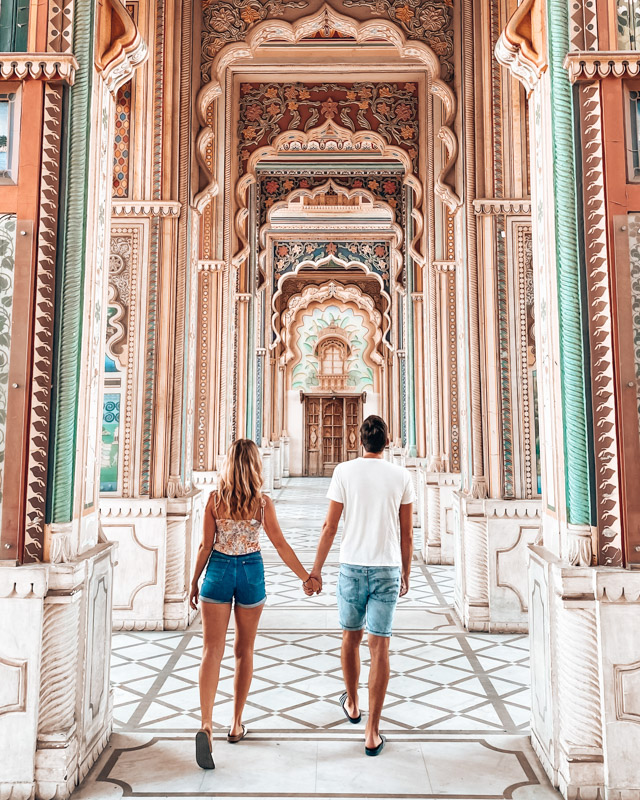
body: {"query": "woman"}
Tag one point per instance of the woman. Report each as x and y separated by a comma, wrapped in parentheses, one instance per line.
(234, 516)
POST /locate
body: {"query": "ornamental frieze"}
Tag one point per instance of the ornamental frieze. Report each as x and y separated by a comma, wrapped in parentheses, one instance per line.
(268, 109)
(383, 186)
(288, 254)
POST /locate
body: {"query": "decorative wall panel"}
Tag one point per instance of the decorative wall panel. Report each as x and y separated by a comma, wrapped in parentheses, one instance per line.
(122, 141)
(389, 109)
(287, 255)
(7, 265)
(336, 324)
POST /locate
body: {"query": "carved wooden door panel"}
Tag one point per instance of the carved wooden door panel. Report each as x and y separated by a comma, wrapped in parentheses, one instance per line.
(353, 413)
(313, 437)
(332, 433)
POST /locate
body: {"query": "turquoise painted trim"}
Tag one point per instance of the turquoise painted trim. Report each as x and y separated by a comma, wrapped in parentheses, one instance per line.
(411, 382)
(570, 289)
(71, 269)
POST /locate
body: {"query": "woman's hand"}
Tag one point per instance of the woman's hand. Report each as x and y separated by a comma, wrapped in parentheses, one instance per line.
(194, 596)
(312, 586)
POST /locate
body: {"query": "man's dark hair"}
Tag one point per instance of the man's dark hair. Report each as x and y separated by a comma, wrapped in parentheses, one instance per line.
(374, 434)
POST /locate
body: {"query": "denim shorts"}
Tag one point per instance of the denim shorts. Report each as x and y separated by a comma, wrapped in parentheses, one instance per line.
(368, 594)
(239, 578)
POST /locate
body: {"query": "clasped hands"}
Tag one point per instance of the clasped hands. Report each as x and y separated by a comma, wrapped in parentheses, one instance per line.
(313, 584)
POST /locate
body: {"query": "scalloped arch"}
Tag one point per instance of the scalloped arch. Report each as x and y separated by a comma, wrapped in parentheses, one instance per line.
(362, 32)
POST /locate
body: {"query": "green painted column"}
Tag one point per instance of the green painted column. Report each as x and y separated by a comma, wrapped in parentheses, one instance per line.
(70, 274)
(572, 344)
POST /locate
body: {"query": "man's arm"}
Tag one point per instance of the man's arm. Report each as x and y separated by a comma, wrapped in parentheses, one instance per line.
(406, 544)
(329, 530)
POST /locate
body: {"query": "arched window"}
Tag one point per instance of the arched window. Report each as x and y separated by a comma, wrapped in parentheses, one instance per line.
(332, 372)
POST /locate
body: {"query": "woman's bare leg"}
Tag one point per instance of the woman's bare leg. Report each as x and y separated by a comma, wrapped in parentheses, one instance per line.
(247, 620)
(215, 621)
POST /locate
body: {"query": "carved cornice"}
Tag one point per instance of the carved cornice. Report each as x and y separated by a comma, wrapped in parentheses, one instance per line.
(490, 206)
(123, 48)
(589, 66)
(123, 507)
(43, 66)
(146, 208)
(211, 266)
(444, 266)
(520, 47)
(25, 582)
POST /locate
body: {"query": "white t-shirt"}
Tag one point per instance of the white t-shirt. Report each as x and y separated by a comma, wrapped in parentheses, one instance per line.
(372, 491)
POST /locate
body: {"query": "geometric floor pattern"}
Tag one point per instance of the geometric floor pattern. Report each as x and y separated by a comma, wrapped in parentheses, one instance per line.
(456, 714)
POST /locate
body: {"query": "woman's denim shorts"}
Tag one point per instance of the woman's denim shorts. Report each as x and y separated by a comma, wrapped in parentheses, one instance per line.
(239, 578)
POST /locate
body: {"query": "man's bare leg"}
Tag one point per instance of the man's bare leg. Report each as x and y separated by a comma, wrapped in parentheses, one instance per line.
(350, 656)
(378, 681)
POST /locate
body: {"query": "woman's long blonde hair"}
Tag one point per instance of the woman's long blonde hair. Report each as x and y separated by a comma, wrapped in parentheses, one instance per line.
(240, 487)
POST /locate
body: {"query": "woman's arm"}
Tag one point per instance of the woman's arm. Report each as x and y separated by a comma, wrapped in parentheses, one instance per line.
(285, 551)
(204, 551)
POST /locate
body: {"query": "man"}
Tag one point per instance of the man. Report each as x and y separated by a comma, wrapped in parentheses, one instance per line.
(375, 564)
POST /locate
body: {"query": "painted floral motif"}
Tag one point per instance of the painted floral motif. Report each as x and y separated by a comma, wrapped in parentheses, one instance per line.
(384, 186)
(267, 109)
(7, 264)
(110, 442)
(287, 255)
(352, 326)
(424, 20)
(225, 22)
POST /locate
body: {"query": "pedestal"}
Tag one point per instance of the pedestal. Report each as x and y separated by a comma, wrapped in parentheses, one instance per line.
(585, 676)
(491, 540)
(157, 542)
(284, 442)
(277, 465)
(266, 451)
(55, 697)
(436, 518)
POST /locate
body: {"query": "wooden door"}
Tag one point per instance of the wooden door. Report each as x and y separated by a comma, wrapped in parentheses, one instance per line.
(353, 421)
(313, 437)
(332, 433)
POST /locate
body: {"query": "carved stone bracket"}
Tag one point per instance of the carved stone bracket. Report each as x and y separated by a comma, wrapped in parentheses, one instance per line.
(444, 266)
(123, 47)
(43, 66)
(211, 266)
(520, 47)
(588, 66)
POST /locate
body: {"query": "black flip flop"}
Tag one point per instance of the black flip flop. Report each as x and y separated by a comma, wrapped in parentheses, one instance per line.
(238, 737)
(342, 701)
(375, 751)
(203, 751)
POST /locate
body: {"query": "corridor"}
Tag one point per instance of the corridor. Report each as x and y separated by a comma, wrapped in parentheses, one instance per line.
(456, 712)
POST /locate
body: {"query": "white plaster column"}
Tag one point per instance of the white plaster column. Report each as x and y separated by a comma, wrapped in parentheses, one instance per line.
(277, 464)
(266, 451)
(284, 441)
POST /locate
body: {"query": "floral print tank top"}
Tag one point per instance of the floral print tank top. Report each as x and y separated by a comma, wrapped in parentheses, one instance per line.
(238, 537)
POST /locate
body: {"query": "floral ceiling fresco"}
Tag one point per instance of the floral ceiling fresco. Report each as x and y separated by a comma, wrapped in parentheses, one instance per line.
(429, 21)
(310, 331)
(268, 109)
(288, 254)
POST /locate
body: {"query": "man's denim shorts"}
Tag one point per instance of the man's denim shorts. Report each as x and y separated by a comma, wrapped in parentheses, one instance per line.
(239, 578)
(368, 594)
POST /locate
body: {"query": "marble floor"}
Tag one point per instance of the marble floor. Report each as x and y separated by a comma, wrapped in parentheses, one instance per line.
(456, 714)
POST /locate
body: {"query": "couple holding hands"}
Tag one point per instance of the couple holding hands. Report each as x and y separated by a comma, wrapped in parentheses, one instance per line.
(376, 499)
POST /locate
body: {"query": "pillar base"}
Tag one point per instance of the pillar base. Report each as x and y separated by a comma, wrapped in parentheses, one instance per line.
(157, 545)
(56, 706)
(491, 540)
(435, 499)
(585, 676)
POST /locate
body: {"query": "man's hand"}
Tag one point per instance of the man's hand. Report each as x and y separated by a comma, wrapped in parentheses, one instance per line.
(193, 597)
(404, 585)
(313, 584)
